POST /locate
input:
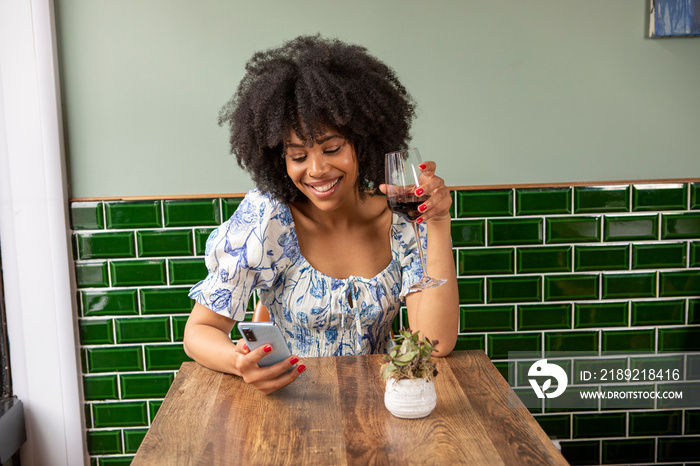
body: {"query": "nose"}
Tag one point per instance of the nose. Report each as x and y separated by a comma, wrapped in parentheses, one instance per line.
(317, 165)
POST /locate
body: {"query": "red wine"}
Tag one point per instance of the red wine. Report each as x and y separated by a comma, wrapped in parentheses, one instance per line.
(406, 205)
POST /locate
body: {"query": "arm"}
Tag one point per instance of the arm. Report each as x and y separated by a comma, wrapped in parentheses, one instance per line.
(207, 341)
(435, 311)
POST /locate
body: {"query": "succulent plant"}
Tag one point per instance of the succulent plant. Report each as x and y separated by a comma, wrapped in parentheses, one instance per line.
(410, 358)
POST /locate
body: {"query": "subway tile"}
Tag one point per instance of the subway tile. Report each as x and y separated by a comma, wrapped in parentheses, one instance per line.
(529, 399)
(133, 214)
(695, 195)
(659, 364)
(107, 245)
(494, 203)
(628, 451)
(581, 452)
(694, 311)
(143, 330)
(629, 285)
(596, 370)
(200, 239)
(679, 283)
(147, 385)
(628, 341)
(544, 316)
(132, 441)
(543, 201)
(544, 259)
(100, 387)
(113, 359)
(694, 254)
(186, 271)
(658, 256)
(104, 442)
(86, 216)
(192, 213)
(514, 289)
(527, 344)
(506, 369)
(153, 407)
(120, 414)
(590, 258)
(693, 367)
(680, 226)
(468, 233)
(599, 315)
(164, 243)
(471, 290)
(658, 313)
(572, 230)
(91, 274)
(503, 232)
(574, 343)
(571, 400)
(588, 199)
(642, 401)
(487, 318)
(115, 460)
(630, 228)
(138, 272)
(96, 332)
(165, 300)
(165, 357)
(229, 206)
(659, 197)
(486, 261)
(692, 422)
(655, 423)
(599, 425)
(470, 342)
(179, 327)
(108, 302)
(556, 426)
(678, 449)
(679, 339)
(570, 287)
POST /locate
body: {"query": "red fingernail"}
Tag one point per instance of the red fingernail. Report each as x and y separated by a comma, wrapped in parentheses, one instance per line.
(245, 347)
(419, 220)
(422, 166)
(301, 368)
(267, 348)
(419, 191)
(293, 361)
(422, 207)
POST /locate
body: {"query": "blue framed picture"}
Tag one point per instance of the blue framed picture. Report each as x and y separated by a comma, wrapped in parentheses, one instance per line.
(674, 18)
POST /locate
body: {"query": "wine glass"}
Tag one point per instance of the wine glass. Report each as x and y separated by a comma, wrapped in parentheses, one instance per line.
(403, 177)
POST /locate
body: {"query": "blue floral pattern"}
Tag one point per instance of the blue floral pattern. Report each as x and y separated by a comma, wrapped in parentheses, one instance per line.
(257, 249)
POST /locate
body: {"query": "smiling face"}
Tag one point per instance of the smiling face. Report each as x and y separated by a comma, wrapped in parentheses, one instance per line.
(326, 172)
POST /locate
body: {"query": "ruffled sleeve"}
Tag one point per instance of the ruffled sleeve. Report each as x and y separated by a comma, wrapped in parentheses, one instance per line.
(246, 253)
(405, 251)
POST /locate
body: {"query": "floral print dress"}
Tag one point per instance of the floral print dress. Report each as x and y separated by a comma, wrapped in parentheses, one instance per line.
(257, 249)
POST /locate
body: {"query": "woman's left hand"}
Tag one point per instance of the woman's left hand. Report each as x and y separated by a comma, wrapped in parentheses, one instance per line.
(437, 207)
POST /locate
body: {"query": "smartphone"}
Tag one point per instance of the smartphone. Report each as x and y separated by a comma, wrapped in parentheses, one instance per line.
(257, 334)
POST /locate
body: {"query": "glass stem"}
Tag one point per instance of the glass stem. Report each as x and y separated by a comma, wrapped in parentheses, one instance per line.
(420, 248)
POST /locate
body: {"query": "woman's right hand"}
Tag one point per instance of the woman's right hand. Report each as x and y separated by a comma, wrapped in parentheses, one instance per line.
(266, 379)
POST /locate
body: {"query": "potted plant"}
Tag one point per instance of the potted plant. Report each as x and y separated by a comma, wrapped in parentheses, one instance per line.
(409, 372)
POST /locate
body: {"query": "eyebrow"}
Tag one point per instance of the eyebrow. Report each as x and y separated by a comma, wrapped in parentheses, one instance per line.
(317, 141)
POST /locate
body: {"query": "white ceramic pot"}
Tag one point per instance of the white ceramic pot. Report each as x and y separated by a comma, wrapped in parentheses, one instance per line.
(410, 398)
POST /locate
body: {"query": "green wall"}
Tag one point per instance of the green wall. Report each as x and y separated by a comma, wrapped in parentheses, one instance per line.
(509, 91)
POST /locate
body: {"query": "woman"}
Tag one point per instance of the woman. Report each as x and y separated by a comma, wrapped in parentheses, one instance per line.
(311, 121)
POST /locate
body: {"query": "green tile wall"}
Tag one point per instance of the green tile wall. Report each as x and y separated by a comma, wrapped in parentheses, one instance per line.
(610, 268)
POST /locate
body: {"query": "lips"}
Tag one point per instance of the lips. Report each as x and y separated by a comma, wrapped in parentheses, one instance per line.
(323, 187)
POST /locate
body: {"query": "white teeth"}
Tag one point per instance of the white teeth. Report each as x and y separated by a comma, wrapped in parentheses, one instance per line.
(323, 189)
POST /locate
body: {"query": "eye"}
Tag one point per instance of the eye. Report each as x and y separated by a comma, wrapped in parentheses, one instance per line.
(297, 158)
(335, 149)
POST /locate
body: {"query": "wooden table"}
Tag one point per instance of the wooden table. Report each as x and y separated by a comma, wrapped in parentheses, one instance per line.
(334, 414)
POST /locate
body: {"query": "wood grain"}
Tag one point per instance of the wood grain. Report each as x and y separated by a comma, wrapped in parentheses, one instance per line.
(335, 414)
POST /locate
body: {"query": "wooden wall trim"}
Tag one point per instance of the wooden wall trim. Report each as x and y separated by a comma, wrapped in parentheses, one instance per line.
(454, 188)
